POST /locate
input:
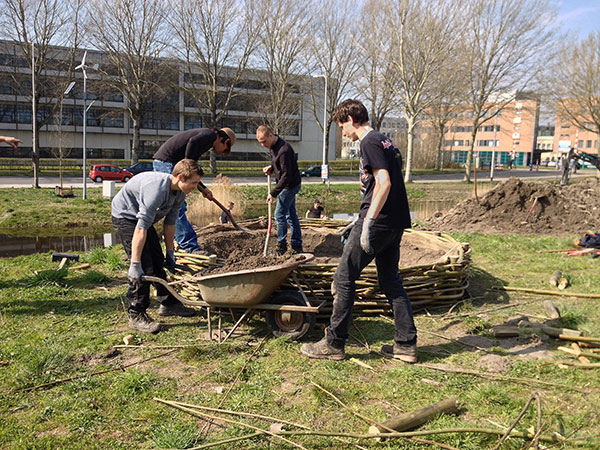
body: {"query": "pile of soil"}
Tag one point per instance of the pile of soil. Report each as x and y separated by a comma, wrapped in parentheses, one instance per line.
(244, 250)
(559, 210)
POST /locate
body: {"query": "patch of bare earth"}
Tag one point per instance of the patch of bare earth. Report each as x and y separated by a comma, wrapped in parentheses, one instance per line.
(559, 210)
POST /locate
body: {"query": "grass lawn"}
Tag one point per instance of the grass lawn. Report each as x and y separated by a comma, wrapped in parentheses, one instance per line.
(59, 325)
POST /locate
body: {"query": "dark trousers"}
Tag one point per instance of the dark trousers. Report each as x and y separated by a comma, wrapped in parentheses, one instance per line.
(386, 245)
(153, 262)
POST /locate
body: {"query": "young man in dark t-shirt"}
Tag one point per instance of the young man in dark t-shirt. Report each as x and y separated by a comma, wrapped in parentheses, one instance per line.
(316, 211)
(191, 144)
(383, 217)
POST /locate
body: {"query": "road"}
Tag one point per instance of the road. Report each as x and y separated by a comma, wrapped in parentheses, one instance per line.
(77, 182)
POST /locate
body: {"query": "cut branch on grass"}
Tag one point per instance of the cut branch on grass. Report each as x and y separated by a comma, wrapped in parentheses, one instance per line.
(517, 420)
(66, 380)
(381, 426)
(234, 422)
(495, 377)
(544, 292)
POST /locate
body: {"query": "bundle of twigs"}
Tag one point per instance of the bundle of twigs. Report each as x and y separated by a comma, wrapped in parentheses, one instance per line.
(443, 282)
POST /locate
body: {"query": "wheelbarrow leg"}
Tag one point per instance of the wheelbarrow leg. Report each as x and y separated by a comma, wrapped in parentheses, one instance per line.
(247, 314)
(209, 318)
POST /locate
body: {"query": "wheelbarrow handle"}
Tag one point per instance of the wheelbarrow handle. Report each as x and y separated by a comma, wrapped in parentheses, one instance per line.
(168, 287)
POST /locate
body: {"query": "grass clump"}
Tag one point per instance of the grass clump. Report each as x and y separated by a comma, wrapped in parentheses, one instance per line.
(175, 435)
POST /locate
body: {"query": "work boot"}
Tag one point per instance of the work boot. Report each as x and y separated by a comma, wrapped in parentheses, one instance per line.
(296, 249)
(323, 350)
(140, 321)
(405, 353)
(176, 309)
(281, 248)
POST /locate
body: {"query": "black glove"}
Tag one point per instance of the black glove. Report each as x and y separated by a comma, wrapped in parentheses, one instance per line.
(170, 259)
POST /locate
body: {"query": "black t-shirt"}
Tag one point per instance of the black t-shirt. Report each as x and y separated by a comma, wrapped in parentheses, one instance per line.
(190, 144)
(224, 217)
(377, 151)
(315, 213)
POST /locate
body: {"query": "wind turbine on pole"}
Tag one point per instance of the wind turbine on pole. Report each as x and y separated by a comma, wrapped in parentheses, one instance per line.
(83, 66)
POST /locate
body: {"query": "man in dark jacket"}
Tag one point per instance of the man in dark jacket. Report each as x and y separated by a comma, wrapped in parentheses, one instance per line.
(383, 217)
(284, 163)
(191, 144)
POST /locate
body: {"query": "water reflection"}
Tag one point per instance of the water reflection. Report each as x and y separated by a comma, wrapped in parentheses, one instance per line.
(11, 246)
(419, 210)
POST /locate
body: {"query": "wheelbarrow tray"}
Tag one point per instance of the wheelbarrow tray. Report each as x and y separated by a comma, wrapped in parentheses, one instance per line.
(247, 288)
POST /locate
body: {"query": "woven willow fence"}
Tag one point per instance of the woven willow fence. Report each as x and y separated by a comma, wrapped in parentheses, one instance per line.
(442, 282)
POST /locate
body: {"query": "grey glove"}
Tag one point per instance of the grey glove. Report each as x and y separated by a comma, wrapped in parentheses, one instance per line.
(170, 259)
(365, 236)
(135, 272)
(345, 233)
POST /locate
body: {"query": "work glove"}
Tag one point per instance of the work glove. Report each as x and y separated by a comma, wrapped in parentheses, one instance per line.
(346, 231)
(135, 272)
(170, 259)
(365, 236)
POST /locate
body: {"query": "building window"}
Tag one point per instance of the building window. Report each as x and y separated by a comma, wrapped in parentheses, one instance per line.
(580, 144)
(23, 114)
(7, 113)
(588, 144)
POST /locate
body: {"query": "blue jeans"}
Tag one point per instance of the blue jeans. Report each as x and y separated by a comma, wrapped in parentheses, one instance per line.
(285, 214)
(185, 235)
(386, 246)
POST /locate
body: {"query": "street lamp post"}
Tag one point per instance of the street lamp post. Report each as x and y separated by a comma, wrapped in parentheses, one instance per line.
(324, 167)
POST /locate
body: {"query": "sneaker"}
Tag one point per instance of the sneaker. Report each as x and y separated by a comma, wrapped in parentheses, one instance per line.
(296, 249)
(405, 353)
(281, 248)
(176, 309)
(143, 322)
(200, 252)
(323, 350)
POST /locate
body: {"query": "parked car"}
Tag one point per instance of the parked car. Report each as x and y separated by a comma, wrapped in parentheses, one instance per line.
(142, 166)
(312, 171)
(101, 172)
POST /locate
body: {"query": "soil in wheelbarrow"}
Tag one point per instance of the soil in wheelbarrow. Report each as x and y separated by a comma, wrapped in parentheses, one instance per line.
(244, 250)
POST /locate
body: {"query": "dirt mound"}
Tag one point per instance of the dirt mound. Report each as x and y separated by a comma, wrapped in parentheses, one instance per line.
(245, 250)
(559, 210)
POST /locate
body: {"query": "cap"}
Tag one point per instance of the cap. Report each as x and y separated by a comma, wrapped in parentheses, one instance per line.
(229, 133)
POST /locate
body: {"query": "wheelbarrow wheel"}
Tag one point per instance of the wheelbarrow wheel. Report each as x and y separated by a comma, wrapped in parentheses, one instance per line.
(293, 324)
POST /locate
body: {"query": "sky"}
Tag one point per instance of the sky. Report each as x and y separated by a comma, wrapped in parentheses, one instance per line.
(579, 16)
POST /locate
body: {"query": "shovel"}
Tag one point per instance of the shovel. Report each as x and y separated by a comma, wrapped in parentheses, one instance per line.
(530, 211)
(270, 206)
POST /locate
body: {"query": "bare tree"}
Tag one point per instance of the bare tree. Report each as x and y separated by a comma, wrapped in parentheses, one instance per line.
(132, 34)
(424, 36)
(215, 41)
(45, 31)
(329, 57)
(451, 90)
(506, 45)
(376, 76)
(576, 87)
(284, 36)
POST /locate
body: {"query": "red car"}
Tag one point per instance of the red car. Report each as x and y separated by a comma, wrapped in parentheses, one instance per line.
(101, 172)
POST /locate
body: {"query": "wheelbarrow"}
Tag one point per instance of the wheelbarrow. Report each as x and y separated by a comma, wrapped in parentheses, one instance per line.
(288, 312)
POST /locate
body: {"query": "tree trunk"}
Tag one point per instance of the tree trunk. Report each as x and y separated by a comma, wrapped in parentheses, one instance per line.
(469, 161)
(409, 149)
(135, 146)
(439, 163)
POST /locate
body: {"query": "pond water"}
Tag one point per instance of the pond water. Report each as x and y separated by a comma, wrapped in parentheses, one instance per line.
(11, 246)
